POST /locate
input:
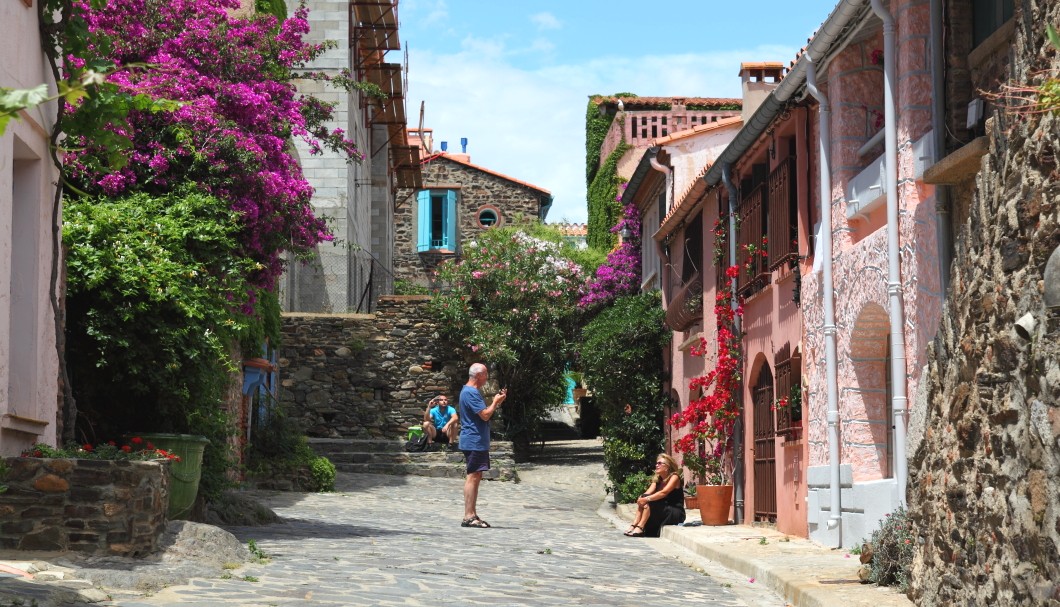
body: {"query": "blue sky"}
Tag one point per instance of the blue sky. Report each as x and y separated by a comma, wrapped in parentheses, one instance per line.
(515, 77)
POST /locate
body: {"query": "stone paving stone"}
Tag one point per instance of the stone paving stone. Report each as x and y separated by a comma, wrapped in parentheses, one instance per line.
(386, 540)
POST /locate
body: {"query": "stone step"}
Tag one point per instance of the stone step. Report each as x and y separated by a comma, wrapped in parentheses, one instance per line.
(327, 446)
(389, 457)
(498, 471)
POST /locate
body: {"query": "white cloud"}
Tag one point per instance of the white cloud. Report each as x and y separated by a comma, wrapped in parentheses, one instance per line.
(546, 21)
(530, 123)
(429, 13)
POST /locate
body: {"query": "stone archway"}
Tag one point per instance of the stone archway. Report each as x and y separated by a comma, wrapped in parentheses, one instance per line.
(868, 434)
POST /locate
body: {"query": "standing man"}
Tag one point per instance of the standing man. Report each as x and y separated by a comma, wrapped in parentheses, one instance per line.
(475, 438)
(440, 422)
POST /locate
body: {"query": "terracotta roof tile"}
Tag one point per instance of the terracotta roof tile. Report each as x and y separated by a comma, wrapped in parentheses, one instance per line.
(461, 159)
(700, 128)
(649, 103)
(571, 229)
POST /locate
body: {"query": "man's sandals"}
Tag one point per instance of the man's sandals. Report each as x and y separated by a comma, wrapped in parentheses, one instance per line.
(633, 531)
(475, 521)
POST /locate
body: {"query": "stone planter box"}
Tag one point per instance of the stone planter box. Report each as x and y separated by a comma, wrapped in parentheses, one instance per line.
(84, 505)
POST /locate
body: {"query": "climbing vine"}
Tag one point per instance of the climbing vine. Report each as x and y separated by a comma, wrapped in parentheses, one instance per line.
(604, 208)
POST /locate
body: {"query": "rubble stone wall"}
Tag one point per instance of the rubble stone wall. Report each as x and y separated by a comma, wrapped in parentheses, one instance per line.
(984, 486)
(369, 375)
(84, 505)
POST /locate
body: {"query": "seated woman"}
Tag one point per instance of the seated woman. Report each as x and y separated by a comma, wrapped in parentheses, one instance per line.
(663, 503)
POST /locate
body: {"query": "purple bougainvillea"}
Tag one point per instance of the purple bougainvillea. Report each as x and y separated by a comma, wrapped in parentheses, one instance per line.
(620, 275)
(229, 133)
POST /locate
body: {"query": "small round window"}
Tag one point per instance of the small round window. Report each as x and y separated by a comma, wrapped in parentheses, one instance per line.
(488, 218)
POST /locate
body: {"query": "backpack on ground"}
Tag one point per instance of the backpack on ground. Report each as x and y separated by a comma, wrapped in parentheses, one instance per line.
(416, 443)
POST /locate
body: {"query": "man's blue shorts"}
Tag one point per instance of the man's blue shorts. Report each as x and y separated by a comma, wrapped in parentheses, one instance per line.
(477, 461)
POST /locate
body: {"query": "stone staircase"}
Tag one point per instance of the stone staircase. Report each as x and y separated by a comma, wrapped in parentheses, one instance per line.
(389, 457)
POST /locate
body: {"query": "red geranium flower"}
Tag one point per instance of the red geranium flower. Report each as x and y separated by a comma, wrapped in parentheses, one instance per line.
(86, 447)
(126, 448)
(136, 440)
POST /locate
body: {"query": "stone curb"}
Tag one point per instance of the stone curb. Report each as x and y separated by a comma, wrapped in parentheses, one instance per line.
(804, 573)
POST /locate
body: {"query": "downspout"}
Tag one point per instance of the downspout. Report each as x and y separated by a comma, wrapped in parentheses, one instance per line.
(737, 448)
(665, 170)
(831, 365)
(663, 257)
(894, 273)
(944, 223)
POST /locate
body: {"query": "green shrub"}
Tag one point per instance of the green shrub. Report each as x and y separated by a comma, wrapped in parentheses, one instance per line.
(620, 356)
(323, 472)
(631, 487)
(893, 545)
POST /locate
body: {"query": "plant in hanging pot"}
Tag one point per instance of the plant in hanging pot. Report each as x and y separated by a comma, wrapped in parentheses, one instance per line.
(710, 418)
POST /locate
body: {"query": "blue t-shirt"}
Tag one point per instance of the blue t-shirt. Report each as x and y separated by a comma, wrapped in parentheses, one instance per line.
(474, 431)
(441, 416)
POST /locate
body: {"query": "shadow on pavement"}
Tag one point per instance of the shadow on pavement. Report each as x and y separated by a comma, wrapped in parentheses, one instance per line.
(302, 528)
(569, 453)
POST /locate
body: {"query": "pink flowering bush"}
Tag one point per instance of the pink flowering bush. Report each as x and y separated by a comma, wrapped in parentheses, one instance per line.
(230, 132)
(511, 302)
(620, 274)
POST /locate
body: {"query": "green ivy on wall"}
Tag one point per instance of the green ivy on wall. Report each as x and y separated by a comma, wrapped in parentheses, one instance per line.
(699, 107)
(604, 210)
(596, 127)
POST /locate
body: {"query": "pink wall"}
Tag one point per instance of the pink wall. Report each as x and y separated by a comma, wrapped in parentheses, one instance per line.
(854, 86)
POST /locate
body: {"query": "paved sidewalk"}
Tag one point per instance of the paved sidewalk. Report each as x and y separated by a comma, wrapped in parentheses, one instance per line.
(804, 573)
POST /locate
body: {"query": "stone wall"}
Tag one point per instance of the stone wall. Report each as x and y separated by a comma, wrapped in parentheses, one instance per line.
(366, 376)
(476, 189)
(984, 486)
(85, 505)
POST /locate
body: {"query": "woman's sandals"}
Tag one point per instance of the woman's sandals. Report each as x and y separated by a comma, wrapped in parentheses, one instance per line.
(475, 521)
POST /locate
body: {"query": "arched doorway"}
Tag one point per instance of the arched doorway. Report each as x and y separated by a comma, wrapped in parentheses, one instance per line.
(765, 447)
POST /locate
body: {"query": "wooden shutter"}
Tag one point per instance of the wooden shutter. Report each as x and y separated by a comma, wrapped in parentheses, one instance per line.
(423, 203)
(449, 222)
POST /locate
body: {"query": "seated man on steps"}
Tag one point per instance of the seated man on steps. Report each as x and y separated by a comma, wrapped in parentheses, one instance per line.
(440, 422)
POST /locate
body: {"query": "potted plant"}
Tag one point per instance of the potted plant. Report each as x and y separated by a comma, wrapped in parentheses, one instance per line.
(713, 488)
(691, 500)
(709, 418)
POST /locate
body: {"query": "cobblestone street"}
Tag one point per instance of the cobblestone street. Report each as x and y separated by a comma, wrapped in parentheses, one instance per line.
(389, 540)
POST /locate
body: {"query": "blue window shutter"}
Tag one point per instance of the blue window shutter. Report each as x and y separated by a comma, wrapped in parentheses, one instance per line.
(450, 220)
(423, 201)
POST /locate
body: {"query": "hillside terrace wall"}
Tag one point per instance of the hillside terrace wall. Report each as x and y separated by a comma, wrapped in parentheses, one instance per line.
(368, 375)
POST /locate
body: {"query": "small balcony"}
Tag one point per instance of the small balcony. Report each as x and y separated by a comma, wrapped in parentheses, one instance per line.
(686, 305)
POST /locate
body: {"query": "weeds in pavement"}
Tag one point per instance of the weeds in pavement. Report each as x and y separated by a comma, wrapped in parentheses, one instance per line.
(762, 541)
(256, 552)
(249, 578)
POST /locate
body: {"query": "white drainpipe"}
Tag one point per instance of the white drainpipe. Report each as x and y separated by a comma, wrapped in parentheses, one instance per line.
(894, 272)
(831, 373)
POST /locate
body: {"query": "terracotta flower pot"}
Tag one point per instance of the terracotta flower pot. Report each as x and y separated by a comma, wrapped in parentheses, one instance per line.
(691, 502)
(714, 503)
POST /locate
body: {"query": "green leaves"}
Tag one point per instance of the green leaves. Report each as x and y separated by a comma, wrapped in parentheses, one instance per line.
(1054, 38)
(13, 101)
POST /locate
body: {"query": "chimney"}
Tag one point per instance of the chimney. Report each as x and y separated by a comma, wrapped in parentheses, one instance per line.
(759, 79)
(463, 145)
(445, 146)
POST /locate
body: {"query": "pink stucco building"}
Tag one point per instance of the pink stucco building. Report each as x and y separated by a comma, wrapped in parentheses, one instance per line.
(841, 236)
(28, 229)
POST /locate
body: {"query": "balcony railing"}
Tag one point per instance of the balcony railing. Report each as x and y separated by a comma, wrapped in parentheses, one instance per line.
(783, 221)
(686, 305)
(754, 273)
